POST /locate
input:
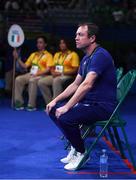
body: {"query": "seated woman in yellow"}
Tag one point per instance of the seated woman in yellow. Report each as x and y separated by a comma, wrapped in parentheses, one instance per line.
(66, 64)
(39, 63)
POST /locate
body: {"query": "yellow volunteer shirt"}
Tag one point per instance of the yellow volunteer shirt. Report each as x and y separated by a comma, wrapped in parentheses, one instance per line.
(68, 60)
(42, 60)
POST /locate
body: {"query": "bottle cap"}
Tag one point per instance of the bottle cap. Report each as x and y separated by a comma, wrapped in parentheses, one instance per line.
(104, 150)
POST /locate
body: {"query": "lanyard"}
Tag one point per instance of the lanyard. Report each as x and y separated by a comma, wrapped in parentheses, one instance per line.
(63, 60)
(40, 57)
(85, 68)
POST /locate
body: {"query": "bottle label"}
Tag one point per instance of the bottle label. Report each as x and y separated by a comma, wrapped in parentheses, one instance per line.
(103, 160)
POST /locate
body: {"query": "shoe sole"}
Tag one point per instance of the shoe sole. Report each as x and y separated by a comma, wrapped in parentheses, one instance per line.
(30, 110)
(64, 162)
(19, 109)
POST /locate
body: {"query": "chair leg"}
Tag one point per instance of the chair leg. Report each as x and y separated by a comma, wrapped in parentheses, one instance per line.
(119, 142)
(62, 137)
(87, 131)
(88, 151)
(128, 148)
(112, 137)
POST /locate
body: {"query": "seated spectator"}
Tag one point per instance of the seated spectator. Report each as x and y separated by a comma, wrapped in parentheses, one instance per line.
(8, 5)
(118, 15)
(40, 63)
(28, 7)
(12, 5)
(41, 8)
(131, 16)
(66, 65)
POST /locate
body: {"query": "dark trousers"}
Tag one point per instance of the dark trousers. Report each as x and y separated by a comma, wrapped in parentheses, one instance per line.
(69, 122)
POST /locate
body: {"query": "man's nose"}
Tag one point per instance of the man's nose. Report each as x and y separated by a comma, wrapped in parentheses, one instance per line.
(76, 38)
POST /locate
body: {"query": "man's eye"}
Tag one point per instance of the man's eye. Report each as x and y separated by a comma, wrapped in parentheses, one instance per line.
(80, 34)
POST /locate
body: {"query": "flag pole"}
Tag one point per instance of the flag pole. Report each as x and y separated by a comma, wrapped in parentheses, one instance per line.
(13, 80)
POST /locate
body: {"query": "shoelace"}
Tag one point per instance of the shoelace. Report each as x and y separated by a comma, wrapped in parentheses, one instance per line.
(73, 159)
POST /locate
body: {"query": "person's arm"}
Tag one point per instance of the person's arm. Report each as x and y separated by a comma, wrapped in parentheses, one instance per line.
(84, 87)
(54, 73)
(81, 91)
(21, 63)
(72, 72)
(70, 90)
(40, 72)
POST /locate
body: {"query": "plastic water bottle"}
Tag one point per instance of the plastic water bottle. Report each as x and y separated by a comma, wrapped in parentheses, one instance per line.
(104, 164)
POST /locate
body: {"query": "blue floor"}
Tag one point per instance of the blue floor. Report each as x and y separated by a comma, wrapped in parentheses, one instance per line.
(30, 147)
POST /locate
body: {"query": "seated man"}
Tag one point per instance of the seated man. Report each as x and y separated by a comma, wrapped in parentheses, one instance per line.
(40, 63)
(92, 96)
(66, 65)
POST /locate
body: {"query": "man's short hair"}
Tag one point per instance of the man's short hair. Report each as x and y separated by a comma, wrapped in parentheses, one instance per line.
(93, 29)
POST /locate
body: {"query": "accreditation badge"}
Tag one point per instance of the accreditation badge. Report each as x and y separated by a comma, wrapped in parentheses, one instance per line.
(34, 69)
(59, 68)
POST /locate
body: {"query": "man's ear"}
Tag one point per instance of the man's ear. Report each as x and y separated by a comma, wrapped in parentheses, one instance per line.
(92, 39)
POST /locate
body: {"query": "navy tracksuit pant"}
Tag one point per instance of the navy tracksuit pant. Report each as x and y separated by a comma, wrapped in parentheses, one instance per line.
(69, 122)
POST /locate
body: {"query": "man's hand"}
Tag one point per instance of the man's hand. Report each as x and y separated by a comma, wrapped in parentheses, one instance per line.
(50, 106)
(61, 110)
(15, 54)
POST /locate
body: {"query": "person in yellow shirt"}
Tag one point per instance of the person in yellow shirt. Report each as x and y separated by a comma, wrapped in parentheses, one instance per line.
(66, 63)
(39, 63)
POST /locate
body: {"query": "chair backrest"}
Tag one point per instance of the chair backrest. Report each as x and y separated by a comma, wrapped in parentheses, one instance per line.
(123, 88)
(125, 85)
(119, 73)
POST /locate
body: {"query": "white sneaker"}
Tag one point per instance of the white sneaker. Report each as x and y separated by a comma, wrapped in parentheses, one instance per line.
(79, 158)
(69, 156)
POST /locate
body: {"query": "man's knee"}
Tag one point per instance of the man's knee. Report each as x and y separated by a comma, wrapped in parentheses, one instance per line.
(65, 121)
(52, 113)
(53, 110)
